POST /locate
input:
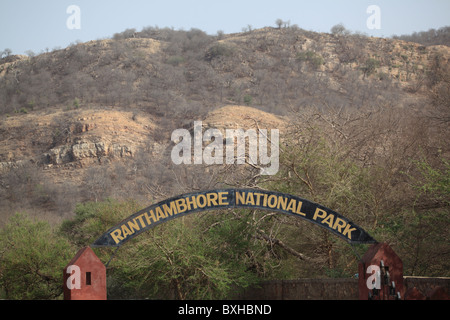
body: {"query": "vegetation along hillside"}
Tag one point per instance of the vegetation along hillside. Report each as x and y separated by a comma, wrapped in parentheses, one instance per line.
(85, 141)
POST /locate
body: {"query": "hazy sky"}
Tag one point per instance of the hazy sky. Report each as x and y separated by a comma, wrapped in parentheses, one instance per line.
(39, 24)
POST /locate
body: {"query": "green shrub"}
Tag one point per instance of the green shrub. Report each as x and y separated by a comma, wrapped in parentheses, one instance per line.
(217, 51)
(314, 59)
(248, 99)
(76, 103)
(370, 66)
(175, 60)
(32, 259)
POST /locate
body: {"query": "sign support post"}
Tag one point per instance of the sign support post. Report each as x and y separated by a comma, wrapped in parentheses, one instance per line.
(380, 274)
(84, 278)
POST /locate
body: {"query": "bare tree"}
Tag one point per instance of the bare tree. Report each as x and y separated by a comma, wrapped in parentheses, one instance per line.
(97, 183)
(5, 53)
(339, 30)
(279, 23)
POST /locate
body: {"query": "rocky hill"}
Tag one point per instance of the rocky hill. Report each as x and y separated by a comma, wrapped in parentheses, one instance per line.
(94, 119)
(164, 71)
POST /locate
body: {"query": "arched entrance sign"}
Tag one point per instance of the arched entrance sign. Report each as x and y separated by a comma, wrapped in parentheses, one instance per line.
(232, 198)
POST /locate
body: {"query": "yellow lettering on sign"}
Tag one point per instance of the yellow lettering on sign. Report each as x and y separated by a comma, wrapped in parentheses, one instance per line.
(319, 214)
(258, 198)
(169, 210)
(240, 198)
(181, 205)
(339, 224)
(282, 201)
(223, 198)
(125, 231)
(265, 200)
(272, 201)
(159, 214)
(212, 199)
(192, 202)
(134, 226)
(141, 221)
(299, 209)
(348, 231)
(329, 220)
(117, 236)
(291, 205)
(250, 199)
(150, 215)
(202, 203)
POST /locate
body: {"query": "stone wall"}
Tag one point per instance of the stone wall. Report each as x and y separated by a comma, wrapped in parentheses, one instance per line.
(304, 289)
(330, 289)
(427, 288)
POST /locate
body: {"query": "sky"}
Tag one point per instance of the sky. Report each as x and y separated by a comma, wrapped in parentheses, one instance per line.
(40, 25)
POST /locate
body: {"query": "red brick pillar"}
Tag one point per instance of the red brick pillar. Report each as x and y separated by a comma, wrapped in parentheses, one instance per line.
(381, 274)
(85, 277)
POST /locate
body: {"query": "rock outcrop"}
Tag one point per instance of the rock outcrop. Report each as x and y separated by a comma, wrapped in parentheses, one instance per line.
(77, 137)
(88, 150)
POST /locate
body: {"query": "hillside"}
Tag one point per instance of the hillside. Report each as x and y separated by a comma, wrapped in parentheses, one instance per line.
(87, 152)
(187, 71)
(85, 106)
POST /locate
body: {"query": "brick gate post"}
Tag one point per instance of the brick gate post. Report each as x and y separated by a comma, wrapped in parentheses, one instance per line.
(380, 274)
(85, 277)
